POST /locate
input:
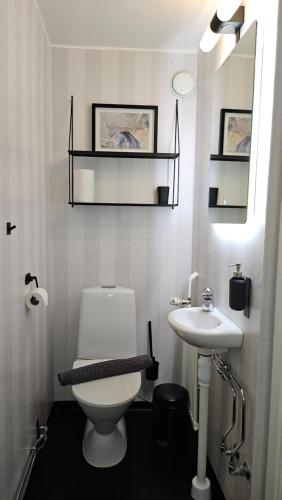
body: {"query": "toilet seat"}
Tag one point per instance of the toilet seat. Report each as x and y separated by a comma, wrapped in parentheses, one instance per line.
(106, 392)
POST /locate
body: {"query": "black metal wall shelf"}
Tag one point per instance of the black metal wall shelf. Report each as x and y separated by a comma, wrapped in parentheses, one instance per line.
(227, 206)
(230, 158)
(112, 154)
(124, 204)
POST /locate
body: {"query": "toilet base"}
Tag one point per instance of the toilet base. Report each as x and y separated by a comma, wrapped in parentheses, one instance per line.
(104, 449)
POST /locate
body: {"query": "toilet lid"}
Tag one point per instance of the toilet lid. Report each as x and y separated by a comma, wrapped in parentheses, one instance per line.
(111, 391)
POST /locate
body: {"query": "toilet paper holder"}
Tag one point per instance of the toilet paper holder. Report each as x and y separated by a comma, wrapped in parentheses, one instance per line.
(28, 279)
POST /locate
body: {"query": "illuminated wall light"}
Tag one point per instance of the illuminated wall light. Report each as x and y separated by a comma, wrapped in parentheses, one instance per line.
(209, 40)
(227, 8)
(227, 20)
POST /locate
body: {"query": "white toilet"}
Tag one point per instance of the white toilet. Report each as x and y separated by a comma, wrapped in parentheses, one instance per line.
(107, 330)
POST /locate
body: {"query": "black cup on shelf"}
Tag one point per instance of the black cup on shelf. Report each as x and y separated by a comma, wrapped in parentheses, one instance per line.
(213, 192)
(163, 192)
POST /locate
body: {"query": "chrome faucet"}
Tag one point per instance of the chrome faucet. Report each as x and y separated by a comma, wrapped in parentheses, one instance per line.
(179, 301)
(207, 304)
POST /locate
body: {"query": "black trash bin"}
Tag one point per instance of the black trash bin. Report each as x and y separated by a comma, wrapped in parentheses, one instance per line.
(170, 415)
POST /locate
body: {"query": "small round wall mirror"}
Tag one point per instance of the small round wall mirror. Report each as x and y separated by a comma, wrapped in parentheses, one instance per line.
(182, 83)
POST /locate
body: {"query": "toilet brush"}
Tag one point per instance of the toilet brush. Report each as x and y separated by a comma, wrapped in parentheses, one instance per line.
(152, 373)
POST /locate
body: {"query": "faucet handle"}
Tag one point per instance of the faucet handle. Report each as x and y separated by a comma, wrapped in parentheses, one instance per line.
(175, 301)
(207, 292)
(179, 301)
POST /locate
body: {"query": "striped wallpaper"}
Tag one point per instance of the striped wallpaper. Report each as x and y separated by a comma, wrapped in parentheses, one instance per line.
(25, 145)
(147, 249)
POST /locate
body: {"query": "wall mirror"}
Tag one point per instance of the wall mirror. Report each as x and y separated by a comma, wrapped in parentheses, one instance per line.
(232, 106)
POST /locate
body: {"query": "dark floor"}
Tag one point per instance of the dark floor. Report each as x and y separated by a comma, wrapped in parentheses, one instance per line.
(147, 472)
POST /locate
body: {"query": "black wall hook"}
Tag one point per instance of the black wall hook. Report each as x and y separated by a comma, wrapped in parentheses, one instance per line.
(9, 227)
(28, 279)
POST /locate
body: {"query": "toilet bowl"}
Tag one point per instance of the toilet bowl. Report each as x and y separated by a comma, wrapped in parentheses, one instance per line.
(105, 402)
(107, 330)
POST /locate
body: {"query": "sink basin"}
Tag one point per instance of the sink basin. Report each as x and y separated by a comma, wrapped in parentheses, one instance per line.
(208, 330)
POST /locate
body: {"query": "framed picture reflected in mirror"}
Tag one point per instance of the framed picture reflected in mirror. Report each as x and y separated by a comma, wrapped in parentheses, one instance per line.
(235, 131)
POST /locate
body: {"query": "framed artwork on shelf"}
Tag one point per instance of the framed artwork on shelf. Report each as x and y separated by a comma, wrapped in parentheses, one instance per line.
(235, 131)
(124, 128)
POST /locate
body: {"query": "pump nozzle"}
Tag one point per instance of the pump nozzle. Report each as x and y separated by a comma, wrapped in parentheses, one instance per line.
(238, 272)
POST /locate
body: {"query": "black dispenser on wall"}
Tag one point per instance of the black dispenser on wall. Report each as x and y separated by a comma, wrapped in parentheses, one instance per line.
(240, 291)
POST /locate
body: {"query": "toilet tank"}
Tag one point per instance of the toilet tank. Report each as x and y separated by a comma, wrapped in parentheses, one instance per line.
(107, 323)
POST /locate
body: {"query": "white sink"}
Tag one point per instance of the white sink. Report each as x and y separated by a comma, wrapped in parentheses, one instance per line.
(206, 330)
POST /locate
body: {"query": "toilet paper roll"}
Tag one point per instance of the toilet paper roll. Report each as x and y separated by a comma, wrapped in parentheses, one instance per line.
(36, 298)
(83, 194)
(84, 185)
(84, 176)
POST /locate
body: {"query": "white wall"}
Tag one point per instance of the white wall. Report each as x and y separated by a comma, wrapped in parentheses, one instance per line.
(274, 465)
(25, 346)
(216, 246)
(147, 249)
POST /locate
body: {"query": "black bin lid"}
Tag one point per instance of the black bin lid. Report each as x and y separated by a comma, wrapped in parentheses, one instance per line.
(170, 394)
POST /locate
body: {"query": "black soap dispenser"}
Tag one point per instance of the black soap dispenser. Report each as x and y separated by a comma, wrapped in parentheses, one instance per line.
(239, 291)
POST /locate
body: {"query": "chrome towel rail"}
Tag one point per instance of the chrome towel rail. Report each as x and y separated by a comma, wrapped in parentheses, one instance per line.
(234, 467)
(222, 372)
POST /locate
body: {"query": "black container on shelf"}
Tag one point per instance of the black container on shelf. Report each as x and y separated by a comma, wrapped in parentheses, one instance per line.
(213, 193)
(163, 192)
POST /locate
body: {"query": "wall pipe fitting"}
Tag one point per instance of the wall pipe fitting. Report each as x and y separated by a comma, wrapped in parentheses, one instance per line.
(41, 431)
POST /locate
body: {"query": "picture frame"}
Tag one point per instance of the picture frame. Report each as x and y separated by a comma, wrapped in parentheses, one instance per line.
(124, 128)
(235, 132)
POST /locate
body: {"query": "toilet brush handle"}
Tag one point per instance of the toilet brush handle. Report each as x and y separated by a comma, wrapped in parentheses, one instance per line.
(150, 338)
(153, 371)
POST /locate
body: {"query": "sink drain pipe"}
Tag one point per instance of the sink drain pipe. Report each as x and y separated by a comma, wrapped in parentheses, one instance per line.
(201, 489)
(41, 431)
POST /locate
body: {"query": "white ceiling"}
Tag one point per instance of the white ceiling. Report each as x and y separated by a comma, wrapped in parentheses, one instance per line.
(142, 24)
